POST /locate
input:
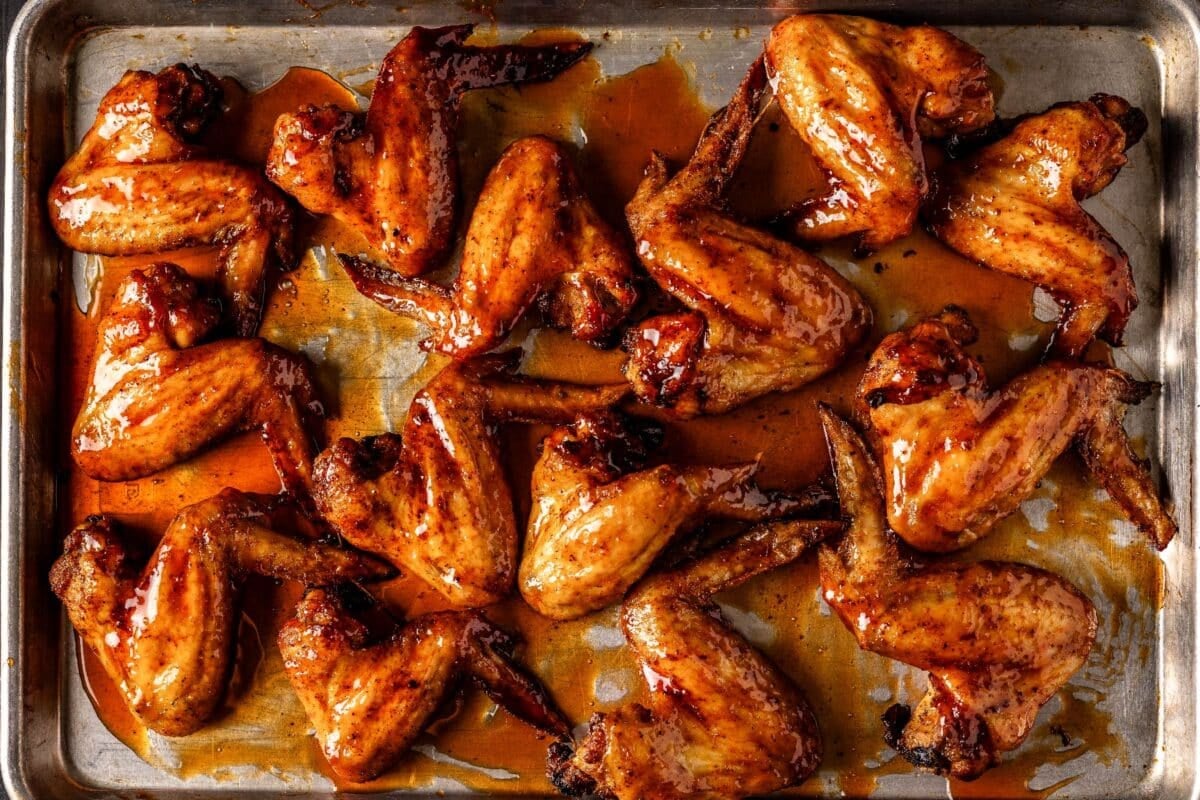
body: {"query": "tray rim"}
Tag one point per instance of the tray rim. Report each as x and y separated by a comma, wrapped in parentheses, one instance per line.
(21, 210)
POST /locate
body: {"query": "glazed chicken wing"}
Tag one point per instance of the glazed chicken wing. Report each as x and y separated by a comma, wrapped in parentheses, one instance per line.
(958, 457)
(166, 634)
(764, 316)
(862, 94)
(1014, 206)
(998, 639)
(599, 521)
(435, 500)
(368, 702)
(534, 237)
(139, 184)
(723, 722)
(157, 396)
(392, 174)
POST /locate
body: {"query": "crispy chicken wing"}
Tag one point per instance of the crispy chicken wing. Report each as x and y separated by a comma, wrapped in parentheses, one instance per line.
(764, 316)
(165, 635)
(157, 396)
(139, 184)
(723, 722)
(958, 456)
(599, 520)
(392, 174)
(534, 237)
(368, 702)
(862, 94)
(998, 639)
(435, 499)
(1014, 206)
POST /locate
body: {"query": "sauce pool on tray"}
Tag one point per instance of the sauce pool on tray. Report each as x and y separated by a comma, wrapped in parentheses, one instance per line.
(368, 365)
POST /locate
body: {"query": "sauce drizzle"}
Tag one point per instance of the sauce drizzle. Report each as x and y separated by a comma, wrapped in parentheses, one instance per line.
(368, 360)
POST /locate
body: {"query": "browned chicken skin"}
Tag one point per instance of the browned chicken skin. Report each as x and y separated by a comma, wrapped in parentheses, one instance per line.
(435, 499)
(139, 184)
(534, 237)
(165, 634)
(998, 639)
(1014, 206)
(958, 456)
(368, 702)
(599, 521)
(863, 94)
(765, 316)
(723, 722)
(392, 174)
(157, 396)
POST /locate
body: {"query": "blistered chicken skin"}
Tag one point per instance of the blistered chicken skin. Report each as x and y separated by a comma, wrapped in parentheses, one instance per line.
(534, 238)
(600, 518)
(722, 721)
(1013, 206)
(165, 632)
(368, 701)
(764, 316)
(158, 395)
(392, 173)
(959, 456)
(862, 95)
(139, 184)
(998, 639)
(435, 499)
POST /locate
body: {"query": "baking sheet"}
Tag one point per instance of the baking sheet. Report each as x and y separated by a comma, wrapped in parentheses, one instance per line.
(52, 730)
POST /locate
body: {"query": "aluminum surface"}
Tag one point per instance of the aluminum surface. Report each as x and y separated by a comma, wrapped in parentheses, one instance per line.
(64, 53)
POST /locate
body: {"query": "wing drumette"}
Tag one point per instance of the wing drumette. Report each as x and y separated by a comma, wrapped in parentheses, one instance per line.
(998, 639)
(534, 237)
(958, 456)
(765, 315)
(435, 499)
(1014, 206)
(165, 635)
(863, 94)
(139, 184)
(157, 396)
(392, 174)
(599, 521)
(723, 722)
(368, 702)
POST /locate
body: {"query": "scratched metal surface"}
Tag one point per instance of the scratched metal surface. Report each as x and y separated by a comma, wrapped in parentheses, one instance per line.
(65, 53)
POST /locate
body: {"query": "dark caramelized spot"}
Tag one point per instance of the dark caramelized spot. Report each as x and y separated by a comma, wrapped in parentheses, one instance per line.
(193, 97)
(1132, 119)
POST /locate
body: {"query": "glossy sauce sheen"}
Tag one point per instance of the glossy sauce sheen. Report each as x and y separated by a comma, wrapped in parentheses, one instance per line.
(367, 360)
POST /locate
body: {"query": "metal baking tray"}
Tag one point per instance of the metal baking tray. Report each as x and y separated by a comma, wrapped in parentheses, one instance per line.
(63, 54)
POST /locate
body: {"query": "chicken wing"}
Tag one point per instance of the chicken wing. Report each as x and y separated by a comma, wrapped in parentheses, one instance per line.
(368, 702)
(139, 184)
(1014, 206)
(764, 316)
(435, 499)
(723, 722)
(998, 639)
(862, 94)
(166, 634)
(392, 174)
(957, 456)
(157, 396)
(598, 524)
(534, 237)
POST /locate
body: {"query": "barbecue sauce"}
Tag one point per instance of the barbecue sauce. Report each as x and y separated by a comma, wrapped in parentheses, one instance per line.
(370, 365)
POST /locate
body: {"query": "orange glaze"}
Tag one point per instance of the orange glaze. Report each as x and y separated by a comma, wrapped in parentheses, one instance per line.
(110, 702)
(533, 238)
(369, 370)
